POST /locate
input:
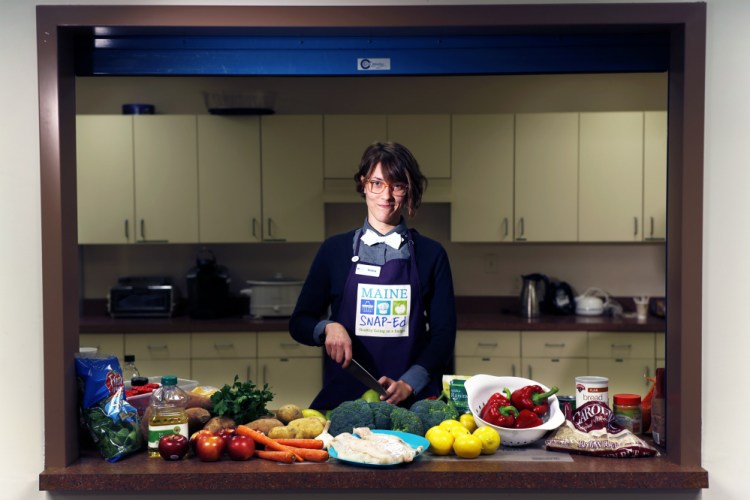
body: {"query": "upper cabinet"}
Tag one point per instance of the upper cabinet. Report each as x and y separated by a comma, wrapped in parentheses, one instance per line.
(655, 176)
(345, 138)
(482, 184)
(229, 183)
(546, 177)
(106, 207)
(611, 177)
(428, 137)
(292, 169)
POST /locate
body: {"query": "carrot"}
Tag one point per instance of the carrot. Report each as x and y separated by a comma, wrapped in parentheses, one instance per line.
(286, 457)
(311, 444)
(310, 454)
(266, 441)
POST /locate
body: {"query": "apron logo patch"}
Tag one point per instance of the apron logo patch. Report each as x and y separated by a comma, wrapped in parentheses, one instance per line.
(383, 310)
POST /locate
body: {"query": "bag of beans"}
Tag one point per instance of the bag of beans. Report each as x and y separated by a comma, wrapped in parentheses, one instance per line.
(592, 430)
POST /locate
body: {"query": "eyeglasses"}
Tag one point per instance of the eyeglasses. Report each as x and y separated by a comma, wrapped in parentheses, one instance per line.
(377, 186)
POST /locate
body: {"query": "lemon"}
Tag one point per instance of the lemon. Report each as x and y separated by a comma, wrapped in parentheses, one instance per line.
(309, 412)
(459, 430)
(441, 441)
(449, 424)
(490, 439)
(467, 420)
(467, 446)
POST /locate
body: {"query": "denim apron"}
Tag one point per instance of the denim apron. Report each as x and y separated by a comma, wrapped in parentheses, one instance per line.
(383, 313)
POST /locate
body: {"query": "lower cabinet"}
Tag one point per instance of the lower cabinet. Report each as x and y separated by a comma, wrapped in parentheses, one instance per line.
(626, 359)
(488, 352)
(159, 354)
(105, 343)
(293, 371)
(554, 358)
(217, 357)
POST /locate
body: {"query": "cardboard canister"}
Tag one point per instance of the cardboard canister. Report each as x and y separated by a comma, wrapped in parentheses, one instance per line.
(591, 388)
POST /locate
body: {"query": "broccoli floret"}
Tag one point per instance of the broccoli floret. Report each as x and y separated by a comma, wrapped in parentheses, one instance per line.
(433, 411)
(350, 414)
(381, 414)
(406, 421)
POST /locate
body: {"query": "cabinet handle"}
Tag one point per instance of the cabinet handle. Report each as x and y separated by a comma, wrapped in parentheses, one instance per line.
(652, 226)
(127, 230)
(505, 227)
(265, 370)
(249, 372)
(254, 231)
(530, 372)
(549, 344)
(635, 223)
(622, 346)
(143, 229)
(646, 375)
(521, 230)
(287, 345)
(486, 344)
(224, 346)
(270, 235)
(162, 347)
(513, 370)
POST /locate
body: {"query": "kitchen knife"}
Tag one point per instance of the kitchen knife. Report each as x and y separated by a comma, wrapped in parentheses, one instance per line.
(359, 372)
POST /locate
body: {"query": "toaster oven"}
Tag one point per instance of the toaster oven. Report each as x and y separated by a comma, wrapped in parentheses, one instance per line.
(142, 297)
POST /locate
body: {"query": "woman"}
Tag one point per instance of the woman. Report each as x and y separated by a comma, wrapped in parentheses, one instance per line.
(388, 289)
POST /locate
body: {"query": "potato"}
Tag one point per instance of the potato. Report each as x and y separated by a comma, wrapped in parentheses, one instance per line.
(265, 425)
(218, 423)
(307, 427)
(284, 432)
(199, 401)
(287, 413)
(197, 418)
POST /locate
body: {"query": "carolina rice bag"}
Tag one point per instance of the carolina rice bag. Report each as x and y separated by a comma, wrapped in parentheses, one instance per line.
(591, 430)
(111, 421)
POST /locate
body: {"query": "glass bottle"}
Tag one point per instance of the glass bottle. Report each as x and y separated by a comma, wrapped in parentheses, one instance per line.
(129, 370)
(168, 416)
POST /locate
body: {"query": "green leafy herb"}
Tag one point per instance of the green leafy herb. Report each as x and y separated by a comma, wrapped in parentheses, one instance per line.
(241, 401)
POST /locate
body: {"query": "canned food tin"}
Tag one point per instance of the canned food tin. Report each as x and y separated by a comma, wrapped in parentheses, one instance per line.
(567, 405)
(592, 389)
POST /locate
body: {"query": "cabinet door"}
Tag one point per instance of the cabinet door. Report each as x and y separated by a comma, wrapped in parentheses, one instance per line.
(501, 367)
(554, 344)
(105, 343)
(546, 177)
(166, 178)
(292, 169)
(611, 177)
(280, 344)
(104, 177)
(488, 343)
(621, 345)
(655, 176)
(292, 380)
(229, 179)
(218, 372)
(482, 178)
(428, 137)
(626, 376)
(345, 138)
(158, 346)
(224, 345)
(560, 372)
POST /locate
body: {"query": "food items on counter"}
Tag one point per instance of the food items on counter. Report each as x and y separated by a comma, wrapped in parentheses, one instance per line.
(646, 405)
(227, 434)
(307, 427)
(216, 424)
(627, 410)
(312, 444)
(406, 421)
(593, 431)
(241, 401)
(490, 439)
(371, 396)
(441, 440)
(533, 398)
(137, 390)
(467, 420)
(527, 419)
(499, 411)
(111, 421)
(350, 414)
(287, 413)
(658, 409)
(168, 414)
(283, 432)
(197, 418)
(591, 389)
(209, 447)
(433, 411)
(372, 448)
(309, 412)
(467, 446)
(381, 414)
(240, 448)
(300, 454)
(173, 446)
(286, 457)
(194, 438)
(265, 424)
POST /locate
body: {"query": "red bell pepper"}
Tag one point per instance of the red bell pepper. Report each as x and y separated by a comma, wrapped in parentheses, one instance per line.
(491, 411)
(527, 418)
(532, 398)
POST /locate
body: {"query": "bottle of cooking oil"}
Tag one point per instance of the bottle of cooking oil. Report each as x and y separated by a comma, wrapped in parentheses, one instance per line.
(168, 415)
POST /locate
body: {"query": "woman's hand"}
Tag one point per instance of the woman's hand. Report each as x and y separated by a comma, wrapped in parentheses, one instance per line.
(338, 344)
(396, 391)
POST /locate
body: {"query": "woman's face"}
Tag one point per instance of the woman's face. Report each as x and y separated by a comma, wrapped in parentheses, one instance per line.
(384, 209)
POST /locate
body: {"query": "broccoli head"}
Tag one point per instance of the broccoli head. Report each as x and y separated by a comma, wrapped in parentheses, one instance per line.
(350, 414)
(406, 421)
(433, 411)
(381, 414)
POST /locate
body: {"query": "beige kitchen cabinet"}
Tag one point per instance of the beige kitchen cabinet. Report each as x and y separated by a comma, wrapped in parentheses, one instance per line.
(546, 177)
(554, 358)
(159, 354)
(610, 194)
(229, 182)
(482, 178)
(428, 137)
(345, 138)
(655, 176)
(217, 357)
(292, 170)
(104, 177)
(293, 372)
(488, 352)
(105, 343)
(166, 178)
(625, 358)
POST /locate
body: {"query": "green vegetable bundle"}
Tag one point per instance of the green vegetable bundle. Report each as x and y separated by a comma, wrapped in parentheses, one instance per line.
(241, 401)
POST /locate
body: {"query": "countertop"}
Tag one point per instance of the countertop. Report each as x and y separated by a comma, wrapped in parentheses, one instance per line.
(473, 313)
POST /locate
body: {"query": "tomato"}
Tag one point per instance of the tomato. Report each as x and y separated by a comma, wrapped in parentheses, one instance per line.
(196, 435)
(209, 448)
(226, 435)
(173, 446)
(241, 447)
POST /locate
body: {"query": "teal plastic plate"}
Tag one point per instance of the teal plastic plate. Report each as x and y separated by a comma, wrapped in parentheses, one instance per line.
(412, 440)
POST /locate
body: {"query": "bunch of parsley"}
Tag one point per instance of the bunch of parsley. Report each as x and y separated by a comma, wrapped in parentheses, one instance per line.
(241, 401)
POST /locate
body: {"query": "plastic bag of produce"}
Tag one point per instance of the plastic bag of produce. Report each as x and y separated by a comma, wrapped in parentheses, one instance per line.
(593, 431)
(111, 421)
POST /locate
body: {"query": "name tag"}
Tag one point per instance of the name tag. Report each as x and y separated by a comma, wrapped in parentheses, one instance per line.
(367, 270)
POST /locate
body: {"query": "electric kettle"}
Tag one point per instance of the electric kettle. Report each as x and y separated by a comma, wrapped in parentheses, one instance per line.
(533, 292)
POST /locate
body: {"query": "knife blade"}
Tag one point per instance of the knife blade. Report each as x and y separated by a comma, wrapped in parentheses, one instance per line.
(361, 374)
